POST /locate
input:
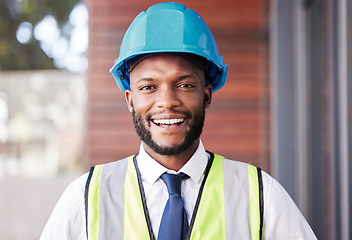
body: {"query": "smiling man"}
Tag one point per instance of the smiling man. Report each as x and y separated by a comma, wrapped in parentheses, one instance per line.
(168, 98)
(173, 189)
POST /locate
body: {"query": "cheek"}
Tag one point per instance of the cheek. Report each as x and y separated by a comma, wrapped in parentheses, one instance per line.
(141, 105)
(196, 102)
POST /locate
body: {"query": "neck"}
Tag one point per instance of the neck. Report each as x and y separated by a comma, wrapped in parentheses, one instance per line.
(173, 162)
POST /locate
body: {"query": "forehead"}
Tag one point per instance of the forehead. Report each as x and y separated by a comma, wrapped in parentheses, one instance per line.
(166, 64)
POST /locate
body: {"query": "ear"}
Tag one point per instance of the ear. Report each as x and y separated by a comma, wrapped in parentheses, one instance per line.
(128, 97)
(208, 92)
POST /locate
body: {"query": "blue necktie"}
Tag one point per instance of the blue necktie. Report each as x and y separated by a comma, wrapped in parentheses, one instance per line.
(174, 223)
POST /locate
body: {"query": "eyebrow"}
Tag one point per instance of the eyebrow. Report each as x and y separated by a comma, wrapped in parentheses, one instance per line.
(147, 79)
(187, 76)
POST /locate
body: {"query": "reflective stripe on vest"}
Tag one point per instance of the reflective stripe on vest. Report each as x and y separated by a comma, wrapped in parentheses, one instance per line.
(229, 207)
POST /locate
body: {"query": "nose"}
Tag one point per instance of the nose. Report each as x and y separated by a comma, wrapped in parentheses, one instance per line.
(168, 98)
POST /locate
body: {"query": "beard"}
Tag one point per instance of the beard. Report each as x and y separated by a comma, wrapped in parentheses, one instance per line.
(195, 127)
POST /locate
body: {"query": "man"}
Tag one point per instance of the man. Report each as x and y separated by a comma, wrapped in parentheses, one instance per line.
(169, 67)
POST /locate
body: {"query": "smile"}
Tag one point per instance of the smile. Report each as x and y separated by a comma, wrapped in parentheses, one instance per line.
(168, 121)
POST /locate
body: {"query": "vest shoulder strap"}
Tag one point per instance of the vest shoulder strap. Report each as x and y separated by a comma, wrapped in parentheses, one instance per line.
(86, 195)
(261, 201)
(256, 201)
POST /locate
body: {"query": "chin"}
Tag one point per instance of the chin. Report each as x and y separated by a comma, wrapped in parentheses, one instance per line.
(170, 150)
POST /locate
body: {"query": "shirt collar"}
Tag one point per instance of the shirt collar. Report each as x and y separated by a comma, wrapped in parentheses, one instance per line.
(151, 170)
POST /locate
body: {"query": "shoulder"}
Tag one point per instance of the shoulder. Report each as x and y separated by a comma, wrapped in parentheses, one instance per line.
(273, 191)
(74, 193)
(271, 187)
(75, 189)
(282, 217)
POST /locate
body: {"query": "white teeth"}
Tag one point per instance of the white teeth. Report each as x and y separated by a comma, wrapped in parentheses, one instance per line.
(168, 121)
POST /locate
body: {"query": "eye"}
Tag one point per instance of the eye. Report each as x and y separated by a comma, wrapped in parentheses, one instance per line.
(146, 88)
(186, 85)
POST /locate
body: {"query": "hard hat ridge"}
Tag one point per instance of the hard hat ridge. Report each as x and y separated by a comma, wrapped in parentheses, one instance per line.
(169, 28)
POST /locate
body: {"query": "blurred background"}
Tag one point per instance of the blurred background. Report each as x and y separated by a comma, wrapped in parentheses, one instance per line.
(285, 107)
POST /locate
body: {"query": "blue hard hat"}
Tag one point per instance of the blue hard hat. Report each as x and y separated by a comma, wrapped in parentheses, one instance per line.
(169, 28)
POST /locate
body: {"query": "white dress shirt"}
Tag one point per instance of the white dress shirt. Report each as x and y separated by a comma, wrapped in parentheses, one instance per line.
(282, 219)
(156, 191)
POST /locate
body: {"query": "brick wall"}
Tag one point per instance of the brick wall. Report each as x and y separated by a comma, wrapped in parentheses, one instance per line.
(233, 122)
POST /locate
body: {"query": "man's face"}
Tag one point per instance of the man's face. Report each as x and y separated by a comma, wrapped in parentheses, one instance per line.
(168, 100)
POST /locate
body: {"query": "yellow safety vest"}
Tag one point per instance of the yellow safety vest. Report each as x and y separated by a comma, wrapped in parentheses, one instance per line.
(229, 205)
